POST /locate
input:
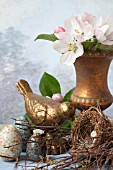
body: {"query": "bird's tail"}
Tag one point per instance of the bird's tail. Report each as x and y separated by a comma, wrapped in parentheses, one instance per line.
(23, 87)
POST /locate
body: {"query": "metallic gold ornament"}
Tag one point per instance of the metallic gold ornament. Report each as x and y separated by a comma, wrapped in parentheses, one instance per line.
(91, 80)
(43, 110)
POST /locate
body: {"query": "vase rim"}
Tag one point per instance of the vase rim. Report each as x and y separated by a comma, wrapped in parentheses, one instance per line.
(98, 54)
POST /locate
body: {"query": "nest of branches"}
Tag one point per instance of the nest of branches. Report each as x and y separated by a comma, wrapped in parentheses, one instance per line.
(92, 139)
(91, 143)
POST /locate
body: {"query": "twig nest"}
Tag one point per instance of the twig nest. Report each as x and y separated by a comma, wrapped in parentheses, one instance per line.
(24, 129)
(91, 129)
(57, 143)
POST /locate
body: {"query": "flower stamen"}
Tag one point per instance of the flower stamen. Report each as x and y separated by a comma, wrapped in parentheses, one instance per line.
(77, 31)
(72, 47)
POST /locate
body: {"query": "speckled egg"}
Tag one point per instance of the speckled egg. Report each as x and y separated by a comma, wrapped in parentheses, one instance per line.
(36, 147)
(23, 127)
(10, 142)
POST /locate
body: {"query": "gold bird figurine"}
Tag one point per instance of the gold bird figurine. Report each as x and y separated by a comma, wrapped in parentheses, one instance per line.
(43, 110)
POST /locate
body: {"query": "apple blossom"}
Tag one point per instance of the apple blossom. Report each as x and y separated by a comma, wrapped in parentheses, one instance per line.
(70, 48)
(109, 35)
(102, 36)
(57, 97)
(92, 20)
(79, 28)
(80, 34)
(103, 30)
(59, 29)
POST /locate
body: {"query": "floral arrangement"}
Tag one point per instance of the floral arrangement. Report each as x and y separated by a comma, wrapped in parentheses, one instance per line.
(81, 34)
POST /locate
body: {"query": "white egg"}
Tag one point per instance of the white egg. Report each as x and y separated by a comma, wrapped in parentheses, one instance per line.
(10, 142)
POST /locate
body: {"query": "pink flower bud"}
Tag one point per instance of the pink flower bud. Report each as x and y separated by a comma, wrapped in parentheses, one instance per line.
(59, 29)
(57, 97)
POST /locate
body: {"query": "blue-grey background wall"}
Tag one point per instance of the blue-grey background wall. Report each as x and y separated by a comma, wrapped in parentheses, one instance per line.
(22, 58)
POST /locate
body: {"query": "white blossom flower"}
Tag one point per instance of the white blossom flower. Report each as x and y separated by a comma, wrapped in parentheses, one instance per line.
(79, 28)
(78, 34)
(69, 46)
(92, 20)
(109, 33)
(102, 35)
(103, 30)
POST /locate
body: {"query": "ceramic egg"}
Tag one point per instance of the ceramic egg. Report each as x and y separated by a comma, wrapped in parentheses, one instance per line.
(10, 142)
(36, 147)
(24, 128)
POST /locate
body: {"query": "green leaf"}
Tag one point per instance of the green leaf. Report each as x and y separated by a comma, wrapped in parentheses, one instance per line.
(49, 85)
(28, 119)
(105, 47)
(95, 45)
(68, 95)
(49, 37)
(66, 123)
(89, 44)
(71, 124)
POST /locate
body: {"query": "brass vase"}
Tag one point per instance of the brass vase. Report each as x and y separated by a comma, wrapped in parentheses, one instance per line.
(91, 80)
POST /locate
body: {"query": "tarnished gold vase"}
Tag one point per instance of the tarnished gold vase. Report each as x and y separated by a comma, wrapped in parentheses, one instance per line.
(91, 80)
